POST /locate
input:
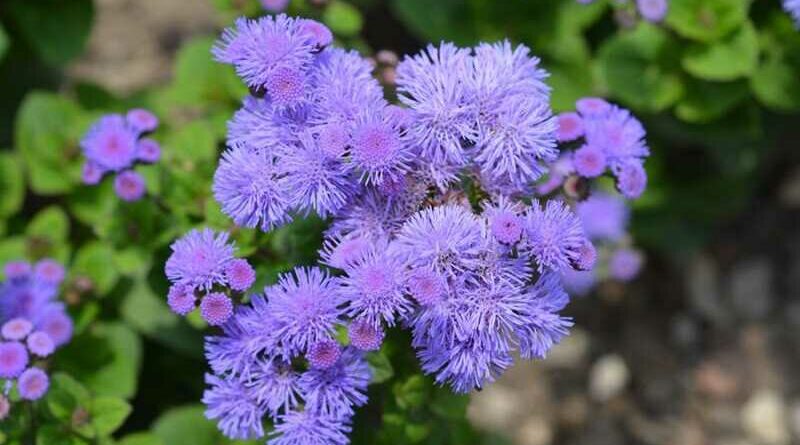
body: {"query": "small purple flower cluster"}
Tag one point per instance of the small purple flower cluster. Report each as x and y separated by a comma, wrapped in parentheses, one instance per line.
(202, 266)
(651, 10)
(608, 138)
(431, 229)
(605, 218)
(114, 144)
(32, 325)
(793, 8)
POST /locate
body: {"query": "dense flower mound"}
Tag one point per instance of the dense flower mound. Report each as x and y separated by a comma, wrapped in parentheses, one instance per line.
(202, 267)
(446, 211)
(114, 145)
(32, 325)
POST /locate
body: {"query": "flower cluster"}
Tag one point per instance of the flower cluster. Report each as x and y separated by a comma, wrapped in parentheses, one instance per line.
(435, 223)
(793, 8)
(114, 144)
(605, 218)
(607, 138)
(32, 325)
(202, 266)
(651, 10)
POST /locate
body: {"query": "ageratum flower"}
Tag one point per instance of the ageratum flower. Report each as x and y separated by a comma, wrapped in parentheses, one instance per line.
(544, 327)
(618, 134)
(334, 391)
(259, 125)
(129, 186)
(250, 188)
(199, 259)
(570, 127)
(603, 216)
(323, 354)
(653, 10)
(240, 275)
(306, 428)
(16, 329)
(446, 238)
(259, 48)
(625, 264)
(13, 359)
(306, 306)
(237, 414)
(631, 179)
(40, 344)
(32, 384)
(553, 235)
(433, 85)
(110, 143)
(216, 308)
(365, 336)
(374, 288)
(274, 385)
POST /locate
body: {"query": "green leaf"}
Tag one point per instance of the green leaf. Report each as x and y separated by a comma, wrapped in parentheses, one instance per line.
(412, 393)
(381, 367)
(108, 414)
(343, 18)
(706, 101)
(776, 84)
(438, 20)
(3, 42)
(12, 184)
(52, 223)
(56, 29)
(118, 376)
(141, 439)
(734, 57)
(95, 261)
(200, 81)
(65, 396)
(57, 435)
(95, 206)
(187, 425)
(14, 248)
(706, 20)
(47, 131)
(569, 83)
(639, 68)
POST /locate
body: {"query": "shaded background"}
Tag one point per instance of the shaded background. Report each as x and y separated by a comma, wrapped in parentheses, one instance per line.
(701, 349)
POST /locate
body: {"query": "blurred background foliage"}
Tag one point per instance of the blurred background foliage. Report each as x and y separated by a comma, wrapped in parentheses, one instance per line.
(717, 85)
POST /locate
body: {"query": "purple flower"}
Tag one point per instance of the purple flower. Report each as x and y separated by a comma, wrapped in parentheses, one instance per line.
(333, 139)
(248, 187)
(631, 179)
(32, 384)
(259, 48)
(544, 326)
(587, 256)
(374, 288)
(316, 181)
(148, 150)
(653, 10)
(603, 216)
(110, 143)
(342, 252)
(216, 308)
(433, 85)
(305, 428)
(240, 275)
(306, 307)
(273, 384)
(259, 125)
(592, 107)
(16, 329)
(377, 151)
(553, 235)
(55, 323)
(793, 8)
(589, 161)
(274, 5)
(446, 238)
(618, 134)
(335, 390)
(199, 259)
(318, 34)
(227, 401)
(17, 269)
(91, 173)
(570, 127)
(625, 264)
(324, 354)
(181, 299)
(365, 336)
(505, 222)
(427, 287)
(129, 185)
(40, 344)
(142, 120)
(286, 87)
(49, 271)
(13, 359)
(578, 282)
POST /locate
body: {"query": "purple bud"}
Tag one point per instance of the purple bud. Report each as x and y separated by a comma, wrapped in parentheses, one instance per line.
(216, 308)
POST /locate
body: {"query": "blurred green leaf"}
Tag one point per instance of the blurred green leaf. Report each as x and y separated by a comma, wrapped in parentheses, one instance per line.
(56, 29)
(118, 377)
(638, 68)
(141, 439)
(95, 260)
(13, 248)
(440, 20)
(729, 59)
(706, 101)
(56, 435)
(381, 367)
(3, 42)
(47, 131)
(706, 20)
(108, 414)
(65, 396)
(12, 184)
(343, 18)
(188, 425)
(777, 84)
(411, 393)
(95, 206)
(51, 223)
(199, 81)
